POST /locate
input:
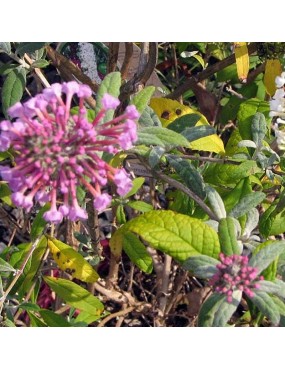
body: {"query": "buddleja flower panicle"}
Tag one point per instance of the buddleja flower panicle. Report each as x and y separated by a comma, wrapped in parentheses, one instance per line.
(234, 273)
(56, 151)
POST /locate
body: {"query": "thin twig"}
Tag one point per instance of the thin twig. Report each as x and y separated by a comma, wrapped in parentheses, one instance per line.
(38, 72)
(210, 159)
(127, 60)
(115, 314)
(163, 291)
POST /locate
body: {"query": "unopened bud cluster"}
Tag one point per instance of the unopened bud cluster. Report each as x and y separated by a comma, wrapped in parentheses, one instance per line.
(234, 273)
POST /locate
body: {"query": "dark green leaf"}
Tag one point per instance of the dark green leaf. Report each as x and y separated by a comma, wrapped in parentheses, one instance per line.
(52, 319)
(29, 47)
(184, 122)
(203, 267)
(13, 89)
(216, 311)
(35, 321)
(266, 306)
(248, 202)
(189, 174)
(155, 155)
(161, 137)
(267, 255)
(195, 133)
(258, 128)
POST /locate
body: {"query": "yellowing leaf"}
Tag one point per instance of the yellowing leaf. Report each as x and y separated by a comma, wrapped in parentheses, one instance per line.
(272, 70)
(242, 60)
(169, 110)
(71, 261)
(212, 143)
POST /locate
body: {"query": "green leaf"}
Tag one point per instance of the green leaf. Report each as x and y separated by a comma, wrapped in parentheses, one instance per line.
(195, 133)
(228, 237)
(5, 194)
(120, 215)
(216, 311)
(271, 222)
(242, 188)
(28, 306)
(140, 206)
(111, 85)
(266, 306)
(216, 202)
(281, 287)
(39, 222)
(155, 156)
(178, 235)
(34, 266)
(180, 202)
(258, 128)
(201, 266)
(267, 255)
(52, 319)
(40, 63)
(6, 47)
(189, 174)
(141, 99)
(5, 266)
(269, 273)
(29, 47)
(281, 307)
(233, 147)
(85, 319)
(7, 68)
(137, 252)
(13, 89)
(246, 113)
(75, 296)
(186, 121)
(137, 184)
(248, 202)
(35, 321)
(268, 287)
(161, 137)
(149, 118)
(229, 174)
(71, 261)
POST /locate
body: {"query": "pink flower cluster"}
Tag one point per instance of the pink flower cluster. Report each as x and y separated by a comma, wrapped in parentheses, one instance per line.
(56, 152)
(235, 273)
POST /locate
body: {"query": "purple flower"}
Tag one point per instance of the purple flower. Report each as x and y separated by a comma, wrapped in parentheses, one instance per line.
(56, 152)
(234, 273)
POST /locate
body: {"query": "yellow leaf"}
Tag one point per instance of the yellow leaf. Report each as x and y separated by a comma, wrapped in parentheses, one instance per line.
(72, 262)
(242, 60)
(272, 70)
(169, 110)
